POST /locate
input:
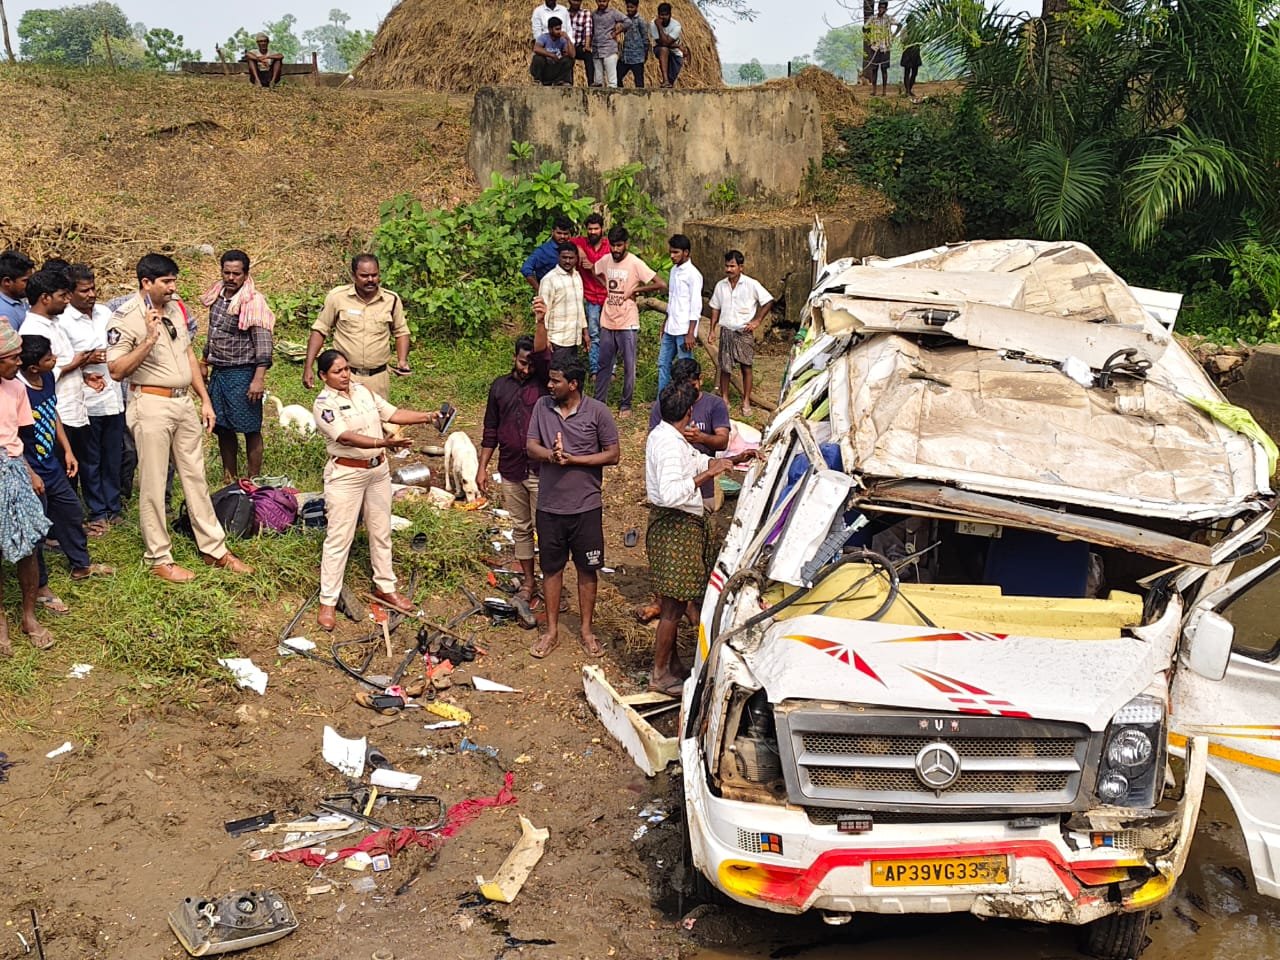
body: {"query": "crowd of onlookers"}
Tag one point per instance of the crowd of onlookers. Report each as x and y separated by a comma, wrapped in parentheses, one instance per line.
(611, 44)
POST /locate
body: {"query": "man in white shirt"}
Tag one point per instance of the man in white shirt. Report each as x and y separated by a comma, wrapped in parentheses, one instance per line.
(668, 44)
(543, 12)
(677, 541)
(738, 306)
(49, 293)
(684, 309)
(99, 445)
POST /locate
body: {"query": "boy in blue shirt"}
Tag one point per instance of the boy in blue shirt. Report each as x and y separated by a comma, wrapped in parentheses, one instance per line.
(41, 442)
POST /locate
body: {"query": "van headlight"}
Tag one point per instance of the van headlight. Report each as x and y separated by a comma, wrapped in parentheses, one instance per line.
(1131, 773)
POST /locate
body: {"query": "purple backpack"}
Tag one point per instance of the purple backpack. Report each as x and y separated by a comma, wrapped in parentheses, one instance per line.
(274, 508)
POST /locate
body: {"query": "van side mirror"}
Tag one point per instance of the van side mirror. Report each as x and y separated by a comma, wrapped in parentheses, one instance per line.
(1209, 640)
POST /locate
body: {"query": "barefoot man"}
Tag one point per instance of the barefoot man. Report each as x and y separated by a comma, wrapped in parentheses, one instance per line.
(572, 438)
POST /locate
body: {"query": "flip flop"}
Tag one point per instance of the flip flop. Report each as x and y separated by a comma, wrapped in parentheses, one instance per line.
(631, 537)
(596, 650)
(674, 689)
(524, 610)
(40, 638)
(94, 570)
(538, 652)
(53, 604)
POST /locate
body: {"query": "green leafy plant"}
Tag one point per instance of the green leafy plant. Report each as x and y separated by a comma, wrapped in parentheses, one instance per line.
(630, 206)
(724, 195)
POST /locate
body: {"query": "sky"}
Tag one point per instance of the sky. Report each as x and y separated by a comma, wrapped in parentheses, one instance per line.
(783, 29)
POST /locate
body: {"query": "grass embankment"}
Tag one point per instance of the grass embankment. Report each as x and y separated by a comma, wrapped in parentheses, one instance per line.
(103, 167)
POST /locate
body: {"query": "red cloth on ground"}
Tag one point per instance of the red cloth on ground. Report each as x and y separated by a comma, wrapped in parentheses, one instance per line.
(393, 841)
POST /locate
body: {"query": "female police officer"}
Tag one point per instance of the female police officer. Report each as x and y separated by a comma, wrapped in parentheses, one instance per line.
(350, 418)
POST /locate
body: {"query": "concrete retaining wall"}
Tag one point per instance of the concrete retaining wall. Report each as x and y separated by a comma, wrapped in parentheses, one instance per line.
(1258, 390)
(766, 139)
(778, 253)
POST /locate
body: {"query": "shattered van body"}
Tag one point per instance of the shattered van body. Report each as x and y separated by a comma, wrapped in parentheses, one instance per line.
(971, 603)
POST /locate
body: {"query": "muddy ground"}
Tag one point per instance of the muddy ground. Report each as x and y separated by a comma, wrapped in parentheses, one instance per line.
(106, 840)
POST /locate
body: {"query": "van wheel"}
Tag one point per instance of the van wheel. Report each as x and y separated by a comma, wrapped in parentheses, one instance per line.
(1120, 936)
(697, 887)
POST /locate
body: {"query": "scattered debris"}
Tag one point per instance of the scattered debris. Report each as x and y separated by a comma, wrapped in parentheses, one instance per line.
(5, 765)
(653, 813)
(442, 725)
(79, 671)
(518, 865)
(484, 685)
(364, 885)
(650, 750)
(381, 862)
(238, 828)
(448, 711)
(468, 746)
(298, 644)
(346, 755)
(247, 673)
(640, 832)
(59, 751)
(246, 918)
(395, 779)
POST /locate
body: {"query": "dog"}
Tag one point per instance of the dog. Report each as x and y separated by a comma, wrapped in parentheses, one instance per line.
(461, 463)
(294, 417)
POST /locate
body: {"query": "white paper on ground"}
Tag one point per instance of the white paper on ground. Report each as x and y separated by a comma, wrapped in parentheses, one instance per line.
(346, 755)
(395, 779)
(79, 671)
(442, 725)
(488, 686)
(300, 643)
(247, 673)
(65, 748)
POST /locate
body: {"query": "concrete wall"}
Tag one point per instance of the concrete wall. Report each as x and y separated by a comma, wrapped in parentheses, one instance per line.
(777, 253)
(766, 139)
(1258, 390)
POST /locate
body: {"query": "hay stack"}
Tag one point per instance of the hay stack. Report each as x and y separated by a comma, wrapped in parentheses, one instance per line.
(444, 47)
(838, 101)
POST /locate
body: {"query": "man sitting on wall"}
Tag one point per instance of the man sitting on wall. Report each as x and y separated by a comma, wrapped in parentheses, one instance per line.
(265, 65)
(553, 56)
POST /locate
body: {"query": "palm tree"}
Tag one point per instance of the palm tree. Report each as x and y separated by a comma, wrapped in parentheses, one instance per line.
(4, 26)
(1152, 108)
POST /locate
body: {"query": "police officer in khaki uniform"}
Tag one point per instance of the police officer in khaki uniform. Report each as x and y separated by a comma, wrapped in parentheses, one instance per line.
(362, 316)
(350, 417)
(147, 342)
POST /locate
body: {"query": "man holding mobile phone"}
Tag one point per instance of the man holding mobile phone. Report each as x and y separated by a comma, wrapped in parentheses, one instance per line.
(147, 342)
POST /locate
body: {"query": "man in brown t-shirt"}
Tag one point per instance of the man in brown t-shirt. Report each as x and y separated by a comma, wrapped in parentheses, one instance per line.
(572, 438)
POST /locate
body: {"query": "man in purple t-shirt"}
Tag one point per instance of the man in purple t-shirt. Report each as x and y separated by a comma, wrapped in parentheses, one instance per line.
(572, 438)
(506, 424)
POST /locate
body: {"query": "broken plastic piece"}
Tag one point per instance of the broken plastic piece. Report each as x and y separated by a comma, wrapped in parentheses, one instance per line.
(59, 751)
(395, 779)
(346, 755)
(246, 918)
(249, 824)
(469, 746)
(448, 711)
(489, 686)
(518, 865)
(247, 673)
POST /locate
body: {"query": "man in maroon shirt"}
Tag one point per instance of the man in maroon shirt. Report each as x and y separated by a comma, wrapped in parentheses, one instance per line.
(506, 423)
(594, 246)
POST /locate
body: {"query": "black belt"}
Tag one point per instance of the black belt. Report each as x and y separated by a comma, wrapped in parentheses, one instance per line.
(372, 372)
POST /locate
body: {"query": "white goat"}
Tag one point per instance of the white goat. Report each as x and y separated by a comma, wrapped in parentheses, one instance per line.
(294, 417)
(461, 462)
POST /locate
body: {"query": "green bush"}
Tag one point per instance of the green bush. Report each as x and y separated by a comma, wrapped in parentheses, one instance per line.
(937, 157)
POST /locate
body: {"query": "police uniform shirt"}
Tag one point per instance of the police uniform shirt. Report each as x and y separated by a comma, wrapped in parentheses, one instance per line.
(363, 413)
(168, 364)
(362, 331)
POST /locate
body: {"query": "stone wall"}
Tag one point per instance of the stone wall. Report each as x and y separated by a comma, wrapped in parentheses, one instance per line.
(777, 250)
(688, 141)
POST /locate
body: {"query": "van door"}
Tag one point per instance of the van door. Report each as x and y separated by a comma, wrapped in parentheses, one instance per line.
(1239, 714)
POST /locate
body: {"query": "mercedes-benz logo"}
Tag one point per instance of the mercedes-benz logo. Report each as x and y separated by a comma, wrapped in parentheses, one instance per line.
(937, 766)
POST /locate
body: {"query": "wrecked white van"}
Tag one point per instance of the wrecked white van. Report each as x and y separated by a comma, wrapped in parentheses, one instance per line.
(972, 603)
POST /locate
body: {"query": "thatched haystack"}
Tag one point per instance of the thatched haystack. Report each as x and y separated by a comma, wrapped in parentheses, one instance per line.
(444, 47)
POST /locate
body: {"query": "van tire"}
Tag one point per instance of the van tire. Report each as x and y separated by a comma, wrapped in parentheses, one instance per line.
(1120, 936)
(697, 887)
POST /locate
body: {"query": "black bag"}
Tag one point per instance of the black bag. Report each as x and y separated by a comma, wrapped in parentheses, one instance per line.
(312, 516)
(233, 508)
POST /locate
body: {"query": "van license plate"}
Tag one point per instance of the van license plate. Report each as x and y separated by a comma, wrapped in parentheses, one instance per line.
(939, 873)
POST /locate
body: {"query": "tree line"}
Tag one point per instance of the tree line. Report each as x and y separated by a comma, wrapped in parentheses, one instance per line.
(99, 34)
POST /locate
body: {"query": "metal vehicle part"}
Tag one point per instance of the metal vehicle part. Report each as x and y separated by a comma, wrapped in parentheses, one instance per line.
(243, 919)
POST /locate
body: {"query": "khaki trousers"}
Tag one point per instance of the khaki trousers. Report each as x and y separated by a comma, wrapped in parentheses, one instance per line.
(346, 491)
(379, 383)
(521, 501)
(161, 427)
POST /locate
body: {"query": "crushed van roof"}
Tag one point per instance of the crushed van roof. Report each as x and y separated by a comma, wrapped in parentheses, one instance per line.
(956, 375)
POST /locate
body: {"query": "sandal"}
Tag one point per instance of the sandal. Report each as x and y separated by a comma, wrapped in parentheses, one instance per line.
(592, 648)
(52, 603)
(40, 638)
(673, 688)
(93, 570)
(543, 648)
